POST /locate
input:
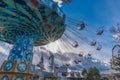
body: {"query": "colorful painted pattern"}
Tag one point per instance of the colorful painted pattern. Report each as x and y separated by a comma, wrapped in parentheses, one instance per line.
(22, 49)
(8, 66)
(23, 17)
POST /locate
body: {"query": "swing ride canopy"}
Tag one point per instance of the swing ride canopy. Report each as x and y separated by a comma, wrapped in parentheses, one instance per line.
(42, 19)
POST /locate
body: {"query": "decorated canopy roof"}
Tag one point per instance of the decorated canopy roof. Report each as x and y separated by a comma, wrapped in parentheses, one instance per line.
(42, 19)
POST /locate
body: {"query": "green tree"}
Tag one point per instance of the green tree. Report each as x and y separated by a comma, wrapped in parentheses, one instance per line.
(104, 78)
(84, 72)
(93, 74)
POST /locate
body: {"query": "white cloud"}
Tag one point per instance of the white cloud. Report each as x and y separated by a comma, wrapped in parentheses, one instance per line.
(59, 2)
(2, 50)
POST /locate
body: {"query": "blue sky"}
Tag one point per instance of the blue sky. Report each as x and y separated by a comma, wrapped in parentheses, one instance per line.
(96, 13)
(99, 12)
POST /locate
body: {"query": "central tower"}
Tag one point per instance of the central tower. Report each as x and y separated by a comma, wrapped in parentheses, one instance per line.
(25, 24)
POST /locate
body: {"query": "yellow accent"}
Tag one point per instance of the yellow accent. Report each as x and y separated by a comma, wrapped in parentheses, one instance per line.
(1, 29)
(13, 73)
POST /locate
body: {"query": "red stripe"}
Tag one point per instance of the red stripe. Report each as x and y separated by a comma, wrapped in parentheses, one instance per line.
(35, 3)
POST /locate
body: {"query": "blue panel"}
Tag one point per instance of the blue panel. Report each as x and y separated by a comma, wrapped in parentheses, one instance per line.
(5, 78)
(32, 68)
(22, 49)
(53, 17)
(19, 78)
(22, 67)
(8, 66)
